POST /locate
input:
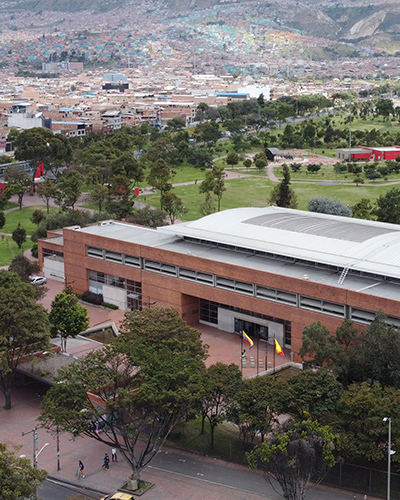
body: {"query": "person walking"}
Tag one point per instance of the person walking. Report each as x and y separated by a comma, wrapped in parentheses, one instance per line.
(79, 472)
(114, 457)
(106, 462)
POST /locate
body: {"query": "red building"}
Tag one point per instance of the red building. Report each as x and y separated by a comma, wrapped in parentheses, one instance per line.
(268, 271)
(364, 153)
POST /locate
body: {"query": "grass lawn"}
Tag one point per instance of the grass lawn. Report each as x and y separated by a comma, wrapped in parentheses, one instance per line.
(254, 191)
(23, 216)
(9, 249)
(227, 445)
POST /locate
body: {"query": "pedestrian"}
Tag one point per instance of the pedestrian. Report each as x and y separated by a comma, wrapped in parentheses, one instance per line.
(365, 497)
(114, 457)
(79, 472)
(106, 461)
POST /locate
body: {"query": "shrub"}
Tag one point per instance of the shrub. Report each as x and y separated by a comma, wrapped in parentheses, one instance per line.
(92, 298)
(109, 306)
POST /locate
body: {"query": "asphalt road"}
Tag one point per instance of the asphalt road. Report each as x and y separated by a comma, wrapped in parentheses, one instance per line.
(55, 491)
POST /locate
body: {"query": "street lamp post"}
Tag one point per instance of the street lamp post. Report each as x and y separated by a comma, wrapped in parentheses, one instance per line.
(390, 453)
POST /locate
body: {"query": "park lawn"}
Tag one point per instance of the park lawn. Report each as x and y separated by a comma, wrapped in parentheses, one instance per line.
(9, 249)
(227, 445)
(23, 217)
(11, 204)
(254, 192)
(348, 194)
(243, 192)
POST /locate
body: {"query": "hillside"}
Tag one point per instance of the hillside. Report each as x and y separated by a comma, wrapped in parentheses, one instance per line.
(375, 23)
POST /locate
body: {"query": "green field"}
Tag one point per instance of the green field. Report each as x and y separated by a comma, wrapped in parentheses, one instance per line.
(254, 191)
(23, 217)
(9, 249)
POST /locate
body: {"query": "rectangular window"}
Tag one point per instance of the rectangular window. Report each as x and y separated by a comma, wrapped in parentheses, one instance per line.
(187, 274)
(263, 292)
(152, 265)
(94, 252)
(132, 261)
(226, 283)
(113, 256)
(205, 278)
(362, 316)
(168, 269)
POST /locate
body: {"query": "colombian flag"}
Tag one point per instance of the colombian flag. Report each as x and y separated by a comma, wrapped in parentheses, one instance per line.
(247, 339)
(278, 348)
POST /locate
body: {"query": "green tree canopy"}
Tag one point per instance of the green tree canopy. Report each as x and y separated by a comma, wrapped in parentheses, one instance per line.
(294, 455)
(173, 206)
(18, 182)
(283, 195)
(19, 236)
(221, 382)
(24, 327)
(387, 207)
(214, 183)
(255, 406)
(19, 479)
(145, 382)
(68, 318)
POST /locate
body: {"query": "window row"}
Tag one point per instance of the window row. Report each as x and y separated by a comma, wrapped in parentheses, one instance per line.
(237, 286)
(110, 256)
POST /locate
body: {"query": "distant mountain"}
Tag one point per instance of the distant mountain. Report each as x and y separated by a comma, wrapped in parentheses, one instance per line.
(371, 23)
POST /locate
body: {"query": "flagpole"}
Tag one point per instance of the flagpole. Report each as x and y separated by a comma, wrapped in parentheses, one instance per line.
(266, 354)
(241, 351)
(258, 342)
(274, 354)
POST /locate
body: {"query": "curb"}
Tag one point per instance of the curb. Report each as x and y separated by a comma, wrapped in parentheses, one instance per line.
(87, 491)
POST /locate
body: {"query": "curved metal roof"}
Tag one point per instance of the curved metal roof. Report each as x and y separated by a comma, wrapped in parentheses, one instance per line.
(368, 246)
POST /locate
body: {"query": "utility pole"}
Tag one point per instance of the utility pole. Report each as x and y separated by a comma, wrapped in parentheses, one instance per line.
(34, 435)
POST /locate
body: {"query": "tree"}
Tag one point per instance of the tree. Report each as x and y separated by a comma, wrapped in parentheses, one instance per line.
(214, 182)
(255, 406)
(207, 207)
(127, 164)
(67, 317)
(37, 216)
(148, 216)
(207, 133)
(23, 267)
(379, 352)
(387, 207)
(232, 158)
(47, 190)
(260, 161)
(325, 205)
(69, 187)
(19, 236)
(295, 454)
(362, 209)
(173, 205)
(2, 219)
(18, 182)
(283, 195)
(175, 124)
(39, 145)
(247, 163)
(120, 201)
(358, 420)
(160, 176)
(19, 479)
(220, 385)
(145, 382)
(24, 328)
(99, 195)
(319, 347)
(201, 157)
(313, 394)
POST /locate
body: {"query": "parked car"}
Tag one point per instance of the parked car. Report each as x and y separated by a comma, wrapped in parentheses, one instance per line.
(119, 496)
(38, 280)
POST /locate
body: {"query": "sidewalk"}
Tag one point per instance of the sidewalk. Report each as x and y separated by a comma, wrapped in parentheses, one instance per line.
(191, 477)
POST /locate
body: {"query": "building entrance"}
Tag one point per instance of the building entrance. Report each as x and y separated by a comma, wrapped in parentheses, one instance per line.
(253, 330)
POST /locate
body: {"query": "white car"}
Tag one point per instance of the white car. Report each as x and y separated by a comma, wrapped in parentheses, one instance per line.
(38, 280)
